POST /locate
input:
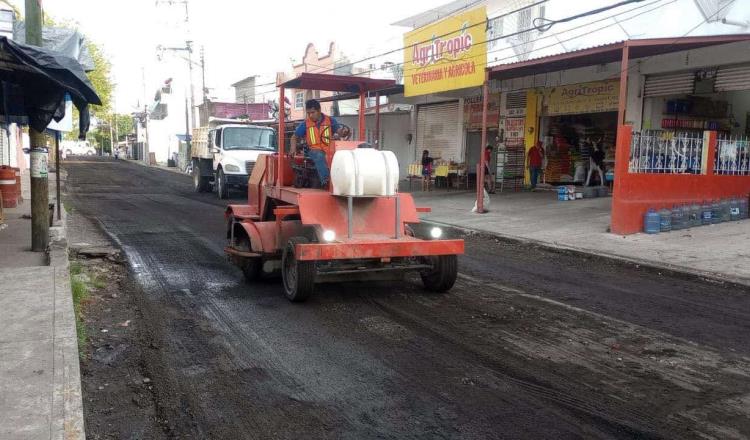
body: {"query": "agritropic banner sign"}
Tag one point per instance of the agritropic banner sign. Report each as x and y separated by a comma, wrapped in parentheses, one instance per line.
(590, 97)
(446, 55)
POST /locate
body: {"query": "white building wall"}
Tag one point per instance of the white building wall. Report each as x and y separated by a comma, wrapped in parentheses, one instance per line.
(394, 128)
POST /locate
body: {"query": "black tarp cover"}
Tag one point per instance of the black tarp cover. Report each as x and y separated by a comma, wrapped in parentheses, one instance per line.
(40, 78)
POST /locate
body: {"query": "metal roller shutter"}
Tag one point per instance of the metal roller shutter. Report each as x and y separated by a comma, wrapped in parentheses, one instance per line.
(437, 131)
(666, 85)
(732, 78)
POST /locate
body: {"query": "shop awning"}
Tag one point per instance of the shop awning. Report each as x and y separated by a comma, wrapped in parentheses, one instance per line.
(388, 91)
(35, 81)
(337, 83)
(608, 53)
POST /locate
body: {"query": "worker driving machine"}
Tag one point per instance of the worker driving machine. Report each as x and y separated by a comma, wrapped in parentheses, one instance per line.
(342, 223)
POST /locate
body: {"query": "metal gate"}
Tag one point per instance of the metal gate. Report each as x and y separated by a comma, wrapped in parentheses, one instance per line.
(437, 131)
(672, 84)
(732, 78)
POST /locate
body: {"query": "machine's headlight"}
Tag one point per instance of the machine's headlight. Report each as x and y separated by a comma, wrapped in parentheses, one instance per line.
(232, 168)
(329, 235)
(436, 232)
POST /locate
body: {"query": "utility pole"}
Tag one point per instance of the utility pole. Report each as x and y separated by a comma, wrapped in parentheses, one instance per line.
(39, 181)
(189, 46)
(114, 115)
(188, 143)
(203, 75)
(111, 139)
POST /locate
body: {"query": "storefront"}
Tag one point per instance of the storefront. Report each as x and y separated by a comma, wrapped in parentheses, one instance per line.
(437, 131)
(575, 120)
(472, 120)
(693, 101)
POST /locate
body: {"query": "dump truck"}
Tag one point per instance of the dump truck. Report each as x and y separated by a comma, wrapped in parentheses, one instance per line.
(224, 153)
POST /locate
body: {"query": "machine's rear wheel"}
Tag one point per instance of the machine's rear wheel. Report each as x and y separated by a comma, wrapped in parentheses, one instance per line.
(251, 267)
(298, 276)
(443, 274)
(200, 183)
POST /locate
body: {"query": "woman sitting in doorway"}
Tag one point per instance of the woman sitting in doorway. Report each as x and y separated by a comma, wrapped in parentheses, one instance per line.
(427, 163)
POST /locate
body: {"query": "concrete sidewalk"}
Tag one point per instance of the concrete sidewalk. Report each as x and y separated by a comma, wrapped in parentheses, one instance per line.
(718, 251)
(40, 386)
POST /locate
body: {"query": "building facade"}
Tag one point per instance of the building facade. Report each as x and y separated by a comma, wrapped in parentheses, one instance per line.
(244, 90)
(312, 62)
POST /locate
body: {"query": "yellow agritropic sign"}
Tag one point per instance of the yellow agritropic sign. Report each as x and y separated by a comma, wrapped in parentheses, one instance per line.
(590, 97)
(447, 55)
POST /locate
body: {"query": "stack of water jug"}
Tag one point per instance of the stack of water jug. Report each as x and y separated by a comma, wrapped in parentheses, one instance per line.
(695, 214)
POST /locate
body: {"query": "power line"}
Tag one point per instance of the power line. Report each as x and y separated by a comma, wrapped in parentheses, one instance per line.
(626, 69)
(399, 49)
(525, 31)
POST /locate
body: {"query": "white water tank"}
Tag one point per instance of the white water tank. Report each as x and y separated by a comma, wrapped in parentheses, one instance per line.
(364, 172)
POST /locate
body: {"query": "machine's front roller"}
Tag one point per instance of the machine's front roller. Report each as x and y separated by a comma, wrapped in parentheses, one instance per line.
(298, 276)
(443, 274)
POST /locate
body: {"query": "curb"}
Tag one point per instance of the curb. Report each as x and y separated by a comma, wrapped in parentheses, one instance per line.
(67, 415)
(156, 167)
(650, 264)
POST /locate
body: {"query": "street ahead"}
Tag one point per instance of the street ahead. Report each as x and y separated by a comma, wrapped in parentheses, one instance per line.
(529, 344)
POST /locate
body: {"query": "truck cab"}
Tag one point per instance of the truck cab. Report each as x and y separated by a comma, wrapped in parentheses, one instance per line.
(224, 155)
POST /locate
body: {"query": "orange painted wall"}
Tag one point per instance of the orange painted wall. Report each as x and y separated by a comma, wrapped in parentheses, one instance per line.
(635, 193)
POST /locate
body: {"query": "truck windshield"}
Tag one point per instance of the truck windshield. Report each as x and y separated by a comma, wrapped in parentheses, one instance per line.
(247, 138)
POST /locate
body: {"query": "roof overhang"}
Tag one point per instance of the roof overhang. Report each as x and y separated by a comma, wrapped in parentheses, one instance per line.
(337, 83)
(395, 89)
(609, 53)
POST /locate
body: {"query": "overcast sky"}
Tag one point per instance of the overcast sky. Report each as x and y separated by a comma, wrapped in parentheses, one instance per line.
(241, 38)
(245, 37)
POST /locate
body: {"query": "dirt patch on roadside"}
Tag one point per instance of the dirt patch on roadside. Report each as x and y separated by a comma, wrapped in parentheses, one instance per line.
(118, 392)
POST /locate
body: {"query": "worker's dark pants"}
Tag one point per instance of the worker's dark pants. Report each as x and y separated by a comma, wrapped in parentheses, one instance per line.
(319, 159)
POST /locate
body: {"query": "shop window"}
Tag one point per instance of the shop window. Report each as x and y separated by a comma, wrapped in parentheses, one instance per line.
(299, 100)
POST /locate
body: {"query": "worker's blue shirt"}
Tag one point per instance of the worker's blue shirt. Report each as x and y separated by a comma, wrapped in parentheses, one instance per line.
(300, 131)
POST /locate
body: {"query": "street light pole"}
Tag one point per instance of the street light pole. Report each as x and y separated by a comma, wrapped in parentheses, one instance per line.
(39, 181)
(189, 46)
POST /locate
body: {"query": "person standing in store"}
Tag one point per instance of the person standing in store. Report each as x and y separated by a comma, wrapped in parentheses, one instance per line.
(596, 163)
(427, 163)
(534, 160)
(489, 176)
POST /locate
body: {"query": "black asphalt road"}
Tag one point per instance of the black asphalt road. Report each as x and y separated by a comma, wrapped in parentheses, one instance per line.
(529, 344)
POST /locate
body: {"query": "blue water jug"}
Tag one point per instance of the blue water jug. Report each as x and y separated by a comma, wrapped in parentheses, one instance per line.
(665, 220)
(725, 210)
(706, 213)
(651, 224)
(715, 212)
(676, 218)
(744, 206)
(695, 215)
(734, 209)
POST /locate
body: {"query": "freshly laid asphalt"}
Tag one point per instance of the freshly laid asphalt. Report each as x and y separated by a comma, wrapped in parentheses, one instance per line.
(530, 343)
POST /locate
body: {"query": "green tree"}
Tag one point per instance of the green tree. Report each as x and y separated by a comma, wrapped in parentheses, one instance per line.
(124, 126)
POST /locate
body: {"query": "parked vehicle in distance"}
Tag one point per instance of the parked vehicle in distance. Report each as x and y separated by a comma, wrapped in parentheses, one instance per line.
(224, 153)
(77, 148)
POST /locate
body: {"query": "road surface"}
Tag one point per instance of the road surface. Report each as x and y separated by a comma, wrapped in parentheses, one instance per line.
(529, 344)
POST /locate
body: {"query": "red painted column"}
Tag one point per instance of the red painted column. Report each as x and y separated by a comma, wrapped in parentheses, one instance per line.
(709, 143)
(620, 194)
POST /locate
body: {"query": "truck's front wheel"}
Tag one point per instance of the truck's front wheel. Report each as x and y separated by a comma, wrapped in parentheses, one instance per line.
(200, 183)
(221, 185)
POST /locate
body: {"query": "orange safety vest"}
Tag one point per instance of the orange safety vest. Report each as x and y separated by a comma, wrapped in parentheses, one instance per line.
(318, 137)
